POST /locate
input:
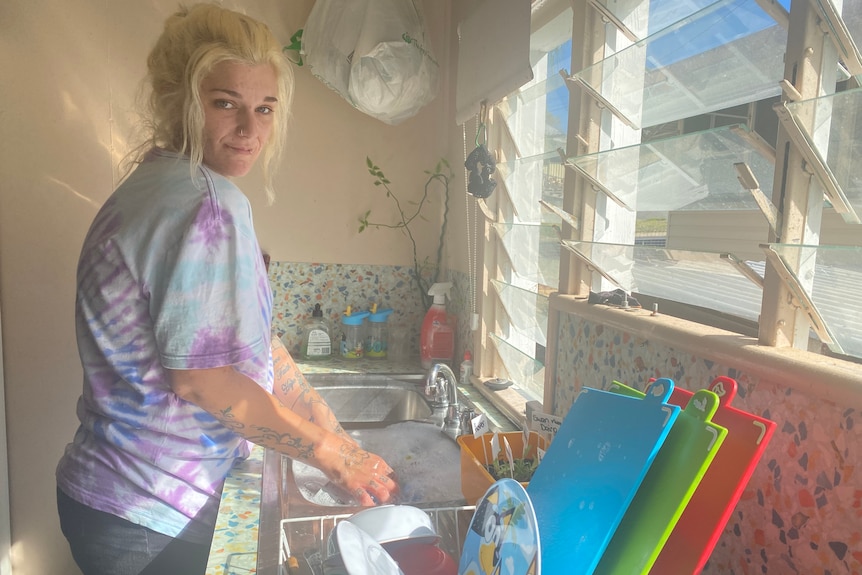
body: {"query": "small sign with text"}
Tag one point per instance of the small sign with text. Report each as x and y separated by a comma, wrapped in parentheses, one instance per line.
(545, 423)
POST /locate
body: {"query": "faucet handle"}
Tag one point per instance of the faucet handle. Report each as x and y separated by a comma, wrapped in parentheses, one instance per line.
(440, 384)
(432, 388)
(466, 416)
(459, 421)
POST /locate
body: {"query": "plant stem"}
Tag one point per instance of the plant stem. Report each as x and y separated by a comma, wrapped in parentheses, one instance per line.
(404, 224)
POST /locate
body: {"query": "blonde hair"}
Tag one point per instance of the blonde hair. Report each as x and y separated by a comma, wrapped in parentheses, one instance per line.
(193, 42)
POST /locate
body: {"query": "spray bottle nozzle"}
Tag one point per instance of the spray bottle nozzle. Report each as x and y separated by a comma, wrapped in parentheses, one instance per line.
(439, 291)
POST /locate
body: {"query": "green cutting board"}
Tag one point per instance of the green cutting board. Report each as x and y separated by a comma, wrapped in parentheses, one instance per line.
(676, 472)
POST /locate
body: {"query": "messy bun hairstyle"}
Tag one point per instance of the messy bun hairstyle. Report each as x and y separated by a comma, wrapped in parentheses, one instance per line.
(193, 42)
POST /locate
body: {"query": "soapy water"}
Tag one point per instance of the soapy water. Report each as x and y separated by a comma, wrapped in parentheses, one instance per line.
(426, 463)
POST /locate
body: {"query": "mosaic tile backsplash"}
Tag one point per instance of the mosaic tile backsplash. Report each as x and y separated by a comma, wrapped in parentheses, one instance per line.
(298, 286)
(801, 512)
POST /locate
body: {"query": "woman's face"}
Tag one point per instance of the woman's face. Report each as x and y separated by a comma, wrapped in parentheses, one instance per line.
(239, 103)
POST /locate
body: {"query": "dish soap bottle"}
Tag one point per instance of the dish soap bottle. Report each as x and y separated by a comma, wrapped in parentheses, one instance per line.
(316, 341)
(437, 338)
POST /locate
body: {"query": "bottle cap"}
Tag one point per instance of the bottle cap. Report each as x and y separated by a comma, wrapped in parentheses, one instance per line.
(439, 291)
(467, 355)
(351, 318)
(380, 315)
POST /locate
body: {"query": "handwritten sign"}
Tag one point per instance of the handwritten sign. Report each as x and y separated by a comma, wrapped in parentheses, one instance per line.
(480, 425)
(545, 423)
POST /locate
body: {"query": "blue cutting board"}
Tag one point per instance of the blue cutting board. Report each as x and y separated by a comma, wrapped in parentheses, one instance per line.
(592, 470)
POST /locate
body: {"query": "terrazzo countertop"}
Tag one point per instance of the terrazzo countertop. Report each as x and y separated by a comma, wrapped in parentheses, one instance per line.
(234, 545)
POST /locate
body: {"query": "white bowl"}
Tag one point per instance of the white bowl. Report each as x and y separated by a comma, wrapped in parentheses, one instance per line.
(396, 523)
(390, 526)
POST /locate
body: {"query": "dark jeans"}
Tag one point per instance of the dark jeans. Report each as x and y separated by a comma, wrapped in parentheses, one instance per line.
(104, 544)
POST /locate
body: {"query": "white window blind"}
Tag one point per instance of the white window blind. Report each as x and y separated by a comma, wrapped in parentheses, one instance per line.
(492, 54)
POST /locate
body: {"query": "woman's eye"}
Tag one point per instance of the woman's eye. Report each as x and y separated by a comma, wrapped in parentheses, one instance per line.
(224, 104)
(265, 110)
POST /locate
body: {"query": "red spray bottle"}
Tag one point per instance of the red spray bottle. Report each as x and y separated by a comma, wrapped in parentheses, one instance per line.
(437, 339)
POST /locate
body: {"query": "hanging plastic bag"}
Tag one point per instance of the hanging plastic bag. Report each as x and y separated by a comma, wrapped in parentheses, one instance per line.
(394, 73)
(329, 39)
(384, 67)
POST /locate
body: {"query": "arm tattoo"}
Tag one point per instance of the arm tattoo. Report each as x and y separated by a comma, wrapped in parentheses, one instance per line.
(296, 395)
(227, 418)
(270, 438)
(354, 455)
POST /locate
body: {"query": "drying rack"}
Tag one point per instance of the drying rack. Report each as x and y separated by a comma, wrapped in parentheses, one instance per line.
(304, 538)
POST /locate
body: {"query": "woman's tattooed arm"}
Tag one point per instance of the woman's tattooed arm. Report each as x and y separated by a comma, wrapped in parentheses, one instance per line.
(294, 392)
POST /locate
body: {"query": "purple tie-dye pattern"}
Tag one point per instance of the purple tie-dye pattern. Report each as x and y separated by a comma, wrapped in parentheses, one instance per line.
(156, 293)
(204, 232)
(204, 339)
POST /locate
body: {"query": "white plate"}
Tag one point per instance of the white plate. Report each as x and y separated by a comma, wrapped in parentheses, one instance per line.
(503, 535)
(361, 554)
(390, 526)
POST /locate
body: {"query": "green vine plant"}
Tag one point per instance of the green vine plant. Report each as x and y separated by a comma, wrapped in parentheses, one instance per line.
(426, 272)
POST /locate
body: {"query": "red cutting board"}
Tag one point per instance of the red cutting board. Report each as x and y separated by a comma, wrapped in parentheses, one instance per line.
(680, 465)
(702, 523)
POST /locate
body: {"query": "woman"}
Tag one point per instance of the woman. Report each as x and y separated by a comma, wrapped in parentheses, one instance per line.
(173, 317)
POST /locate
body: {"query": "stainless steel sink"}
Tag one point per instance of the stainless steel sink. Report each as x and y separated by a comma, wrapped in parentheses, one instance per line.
(375, 402)
(374, 409)
(392, 418)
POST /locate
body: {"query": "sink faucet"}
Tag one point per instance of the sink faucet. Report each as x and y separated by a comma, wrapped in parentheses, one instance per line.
(441, 387)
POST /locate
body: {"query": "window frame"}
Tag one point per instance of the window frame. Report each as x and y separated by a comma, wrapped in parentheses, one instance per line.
(782, 324)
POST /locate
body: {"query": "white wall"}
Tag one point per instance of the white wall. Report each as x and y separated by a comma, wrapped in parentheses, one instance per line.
(70, 74)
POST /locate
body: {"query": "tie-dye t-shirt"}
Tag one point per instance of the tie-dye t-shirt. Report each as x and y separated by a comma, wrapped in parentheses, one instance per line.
(170, 276)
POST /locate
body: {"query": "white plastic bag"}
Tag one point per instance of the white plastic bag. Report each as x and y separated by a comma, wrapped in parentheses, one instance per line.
(329, 39)
(374, 53)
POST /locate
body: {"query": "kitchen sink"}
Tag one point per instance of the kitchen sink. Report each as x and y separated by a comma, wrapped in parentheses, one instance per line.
(388, 415)
(375, 403)
(392, 418)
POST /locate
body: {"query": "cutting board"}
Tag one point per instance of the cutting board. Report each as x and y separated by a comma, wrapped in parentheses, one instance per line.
(703, 521)
(592, 470)
(678, 468)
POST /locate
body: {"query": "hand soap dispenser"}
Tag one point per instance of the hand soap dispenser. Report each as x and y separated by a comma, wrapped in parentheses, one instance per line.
(316, 338)
(437, 339)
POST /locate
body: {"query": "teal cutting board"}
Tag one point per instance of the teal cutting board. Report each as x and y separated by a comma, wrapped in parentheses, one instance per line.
(672, 479)
(592, 470)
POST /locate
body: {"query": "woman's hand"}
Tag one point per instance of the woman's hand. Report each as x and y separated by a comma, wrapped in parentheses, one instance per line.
(363, 474)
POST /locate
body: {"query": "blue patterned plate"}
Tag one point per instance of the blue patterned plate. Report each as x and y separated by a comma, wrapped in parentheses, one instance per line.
(503, 535)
